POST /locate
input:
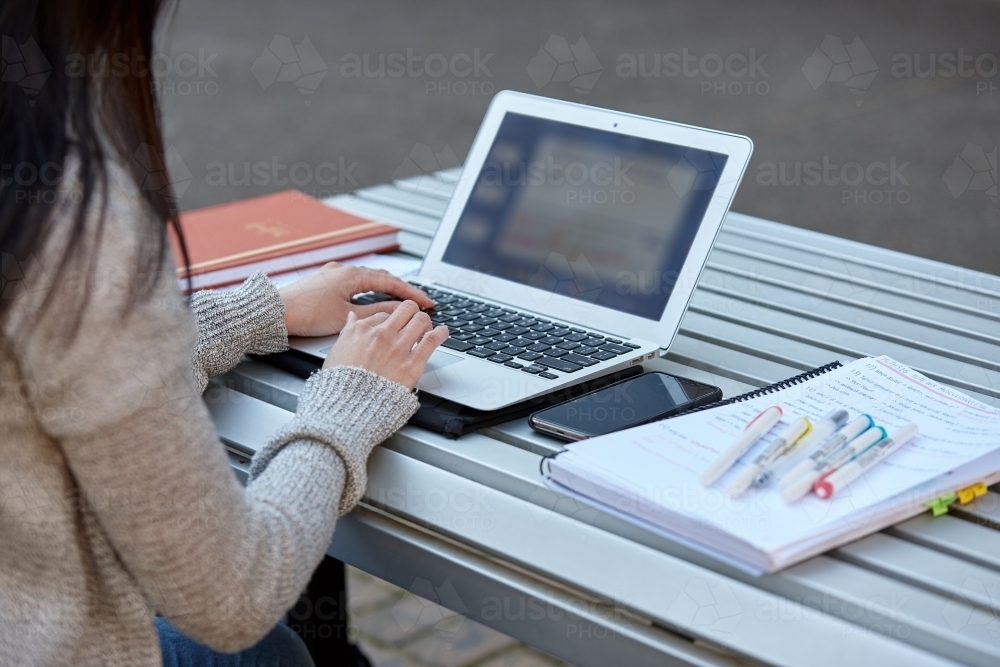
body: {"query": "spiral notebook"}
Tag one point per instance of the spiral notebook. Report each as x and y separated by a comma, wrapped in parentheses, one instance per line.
(649, 475)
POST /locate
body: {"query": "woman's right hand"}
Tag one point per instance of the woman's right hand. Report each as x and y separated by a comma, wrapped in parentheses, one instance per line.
(395, 346)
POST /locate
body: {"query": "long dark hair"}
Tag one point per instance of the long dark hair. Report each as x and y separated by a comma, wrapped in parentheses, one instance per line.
(51, 107)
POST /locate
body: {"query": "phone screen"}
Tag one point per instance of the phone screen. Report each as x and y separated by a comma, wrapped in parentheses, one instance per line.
(629, 403)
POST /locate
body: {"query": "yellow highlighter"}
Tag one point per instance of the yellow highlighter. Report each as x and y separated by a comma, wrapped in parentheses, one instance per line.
(784, 444)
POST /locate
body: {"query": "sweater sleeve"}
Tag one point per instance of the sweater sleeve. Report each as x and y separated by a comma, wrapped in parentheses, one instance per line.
(250, 319)
(119, 399)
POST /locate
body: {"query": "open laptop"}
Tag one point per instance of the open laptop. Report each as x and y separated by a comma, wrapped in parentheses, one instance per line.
(571, 247)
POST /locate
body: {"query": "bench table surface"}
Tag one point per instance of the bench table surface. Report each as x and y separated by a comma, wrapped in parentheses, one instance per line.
(472, 518)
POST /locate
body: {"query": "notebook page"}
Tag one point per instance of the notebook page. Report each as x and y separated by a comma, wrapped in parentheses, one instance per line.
(657, 466)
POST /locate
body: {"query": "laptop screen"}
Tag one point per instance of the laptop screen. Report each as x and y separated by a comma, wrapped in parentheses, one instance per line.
(594, 215)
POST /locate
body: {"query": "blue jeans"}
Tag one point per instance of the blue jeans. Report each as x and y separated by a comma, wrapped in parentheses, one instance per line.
(280, 648)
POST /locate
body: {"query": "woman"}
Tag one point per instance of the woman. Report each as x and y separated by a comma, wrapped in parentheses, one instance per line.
(116, 498)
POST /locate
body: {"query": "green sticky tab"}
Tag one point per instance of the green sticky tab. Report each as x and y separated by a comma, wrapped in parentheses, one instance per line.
(939, 506)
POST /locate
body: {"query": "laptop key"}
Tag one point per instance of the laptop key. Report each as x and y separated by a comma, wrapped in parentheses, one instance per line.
(601, 355)
(532, 369)
(525, 322)
(556, 352)
(502, 326)
(499, 358)
(522, 342)
(468, 316)
(457, 345)
(485, 321)
(631, 345)
(505, 338)
(481, 353)
(575, 330)
(479, 307)
(471, 328)
(584, 349)
(559, 331)
(551, 340)
(576, 337)
(593, 341)
(496, 346)
(548, 376)
(537, 368)
(490, 332)
(568, 345)
(543, 327)
(461, 335)
(615, 349)
(517, 331)
(579, 359)
(614, 340)
(479, 341)
(512, 317)
(559, 364)
(536, 335)
(530, 356)
(539, 347)
(513, 364)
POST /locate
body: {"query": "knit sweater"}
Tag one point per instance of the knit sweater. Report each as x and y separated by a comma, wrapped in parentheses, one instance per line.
(116, 496)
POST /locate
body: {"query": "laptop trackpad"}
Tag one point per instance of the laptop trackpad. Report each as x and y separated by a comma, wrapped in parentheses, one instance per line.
(441, 359)
(440, 376)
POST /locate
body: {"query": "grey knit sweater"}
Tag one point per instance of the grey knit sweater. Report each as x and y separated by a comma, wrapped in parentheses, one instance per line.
(116, 497)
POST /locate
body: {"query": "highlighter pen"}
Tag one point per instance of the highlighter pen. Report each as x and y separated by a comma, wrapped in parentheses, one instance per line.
(752, 432)
(785, 442)
(839, 439)
(864, 462)
(804, 483)
(821, 430)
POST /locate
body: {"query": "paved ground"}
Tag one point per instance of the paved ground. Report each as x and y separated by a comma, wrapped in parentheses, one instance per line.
(397, 629)
(334, 111)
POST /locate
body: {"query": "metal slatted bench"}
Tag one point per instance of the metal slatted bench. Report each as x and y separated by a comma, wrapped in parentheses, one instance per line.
(774, 301)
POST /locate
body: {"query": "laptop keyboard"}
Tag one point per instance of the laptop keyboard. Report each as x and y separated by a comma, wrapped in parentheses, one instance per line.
(517, 339)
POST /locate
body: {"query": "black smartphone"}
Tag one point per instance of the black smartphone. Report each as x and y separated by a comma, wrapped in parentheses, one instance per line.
(631, 402)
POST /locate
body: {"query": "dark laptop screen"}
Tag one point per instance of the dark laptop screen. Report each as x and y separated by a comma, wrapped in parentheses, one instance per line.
(594, 215)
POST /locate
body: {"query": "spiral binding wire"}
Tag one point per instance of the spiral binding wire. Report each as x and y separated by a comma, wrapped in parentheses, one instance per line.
(756, 393)
(769, 389)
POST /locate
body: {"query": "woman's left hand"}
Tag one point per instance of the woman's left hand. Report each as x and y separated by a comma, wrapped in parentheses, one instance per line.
(318, 304)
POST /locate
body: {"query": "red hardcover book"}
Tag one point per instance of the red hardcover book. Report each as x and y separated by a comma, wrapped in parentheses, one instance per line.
(274, 233)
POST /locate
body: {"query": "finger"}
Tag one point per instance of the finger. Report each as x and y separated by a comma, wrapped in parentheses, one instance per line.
(425, 346)
(379, 307)
(371, 280)
(414, 330)
(401, 316)
(372, 320)
(351, 319)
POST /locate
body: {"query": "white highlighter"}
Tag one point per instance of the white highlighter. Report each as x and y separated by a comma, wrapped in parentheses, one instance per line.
(821, 430)
(840, 438)
(804, 483)
(788, 439)
(863, 462)
(752, 432)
